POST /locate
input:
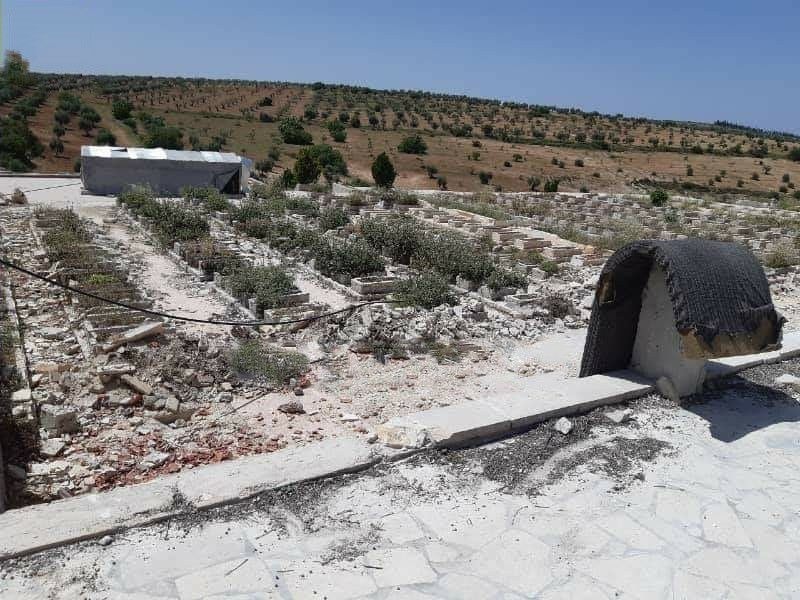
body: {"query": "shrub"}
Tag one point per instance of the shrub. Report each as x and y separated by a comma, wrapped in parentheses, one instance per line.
(557, 305)
(330, 161)
(332, 218)
(689, 171)
(266, 284)
(413, 144)
(427, 290)
(431, 171)
(794, 154)
(503, 278)
(383, 172)
(121, 109)
(306, 168)
(399, 238)
(441, 182)
(170, 138)
(659, 197)
(551, 185)
(18, 145)
(352, 258)
(57, 146)
(256, 360)
(534, 182)
(292, 132)
(105, 138)
(485, 177)
(578, 162)
(86, 126)
(288, 179)
(210, 197)
(265, 117)
(61, 117)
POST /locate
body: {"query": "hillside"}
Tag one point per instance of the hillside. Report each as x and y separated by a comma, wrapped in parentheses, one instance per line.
(470, 141)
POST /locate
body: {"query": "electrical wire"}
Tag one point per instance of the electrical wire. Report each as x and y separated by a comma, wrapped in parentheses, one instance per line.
(156, 313)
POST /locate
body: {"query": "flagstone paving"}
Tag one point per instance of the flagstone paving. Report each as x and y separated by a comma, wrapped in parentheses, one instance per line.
(697, 501)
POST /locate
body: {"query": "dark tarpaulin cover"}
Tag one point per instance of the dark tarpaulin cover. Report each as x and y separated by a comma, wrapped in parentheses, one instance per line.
(715, 288)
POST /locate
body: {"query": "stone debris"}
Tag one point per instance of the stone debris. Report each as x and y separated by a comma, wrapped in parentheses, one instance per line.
(293, 407)
(620, 415)
(58, 419)
(790, 381)
(563, 426)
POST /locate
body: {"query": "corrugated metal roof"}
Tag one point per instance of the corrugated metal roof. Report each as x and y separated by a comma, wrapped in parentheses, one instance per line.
(160, 154)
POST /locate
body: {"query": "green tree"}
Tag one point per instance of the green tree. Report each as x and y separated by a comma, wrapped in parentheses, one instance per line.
(306, 167)
(57, 146)
(121, 109)
(86, 126)
(292, 132)
(383, 171)
(106, 138)
(413, 144)
(61, 117)
(170, 138)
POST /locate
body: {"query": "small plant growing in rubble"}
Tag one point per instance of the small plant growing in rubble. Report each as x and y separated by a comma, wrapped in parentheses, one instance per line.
(427, 290)
(255, 360)
(558, 306)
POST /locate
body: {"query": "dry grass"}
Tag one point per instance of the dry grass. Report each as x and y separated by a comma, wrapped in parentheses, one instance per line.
(213, 108)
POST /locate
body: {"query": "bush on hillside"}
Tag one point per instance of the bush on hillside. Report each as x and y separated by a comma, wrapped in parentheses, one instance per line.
(292, 132)
(413, 144)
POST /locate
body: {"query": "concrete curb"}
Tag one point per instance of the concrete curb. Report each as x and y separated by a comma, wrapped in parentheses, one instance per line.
(32, 529)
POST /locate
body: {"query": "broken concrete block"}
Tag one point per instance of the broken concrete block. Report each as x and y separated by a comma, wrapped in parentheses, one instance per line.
(293, 407)
(58, 419)
(620, 415)
(563, 426)
(52, 447)
(172, 404)
(137, 334)
(23, 395)
(137, 385)
(115, 370)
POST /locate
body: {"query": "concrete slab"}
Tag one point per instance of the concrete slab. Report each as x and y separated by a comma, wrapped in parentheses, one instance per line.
(34, 528)
(229, 481)
(495, 416)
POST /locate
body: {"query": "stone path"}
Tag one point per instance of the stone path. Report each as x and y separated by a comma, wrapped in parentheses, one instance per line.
(694, 502)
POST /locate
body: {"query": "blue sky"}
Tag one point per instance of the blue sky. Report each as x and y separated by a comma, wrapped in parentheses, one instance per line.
(718, 59)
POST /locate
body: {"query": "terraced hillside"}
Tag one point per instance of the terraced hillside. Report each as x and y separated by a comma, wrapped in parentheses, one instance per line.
(471, 143)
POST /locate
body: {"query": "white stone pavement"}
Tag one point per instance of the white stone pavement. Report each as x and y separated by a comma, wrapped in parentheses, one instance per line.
(715, 516)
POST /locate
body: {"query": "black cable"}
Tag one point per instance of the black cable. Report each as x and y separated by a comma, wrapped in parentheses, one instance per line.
(52, 187)
(187, 319)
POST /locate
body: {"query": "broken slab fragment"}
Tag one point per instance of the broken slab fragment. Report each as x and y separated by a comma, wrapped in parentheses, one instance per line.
(58, 419)
(137, 385)
(142, 332)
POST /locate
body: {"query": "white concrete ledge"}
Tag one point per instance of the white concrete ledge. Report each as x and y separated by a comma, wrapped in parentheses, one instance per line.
(35, 528)
(493, 417)
(731, 365)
